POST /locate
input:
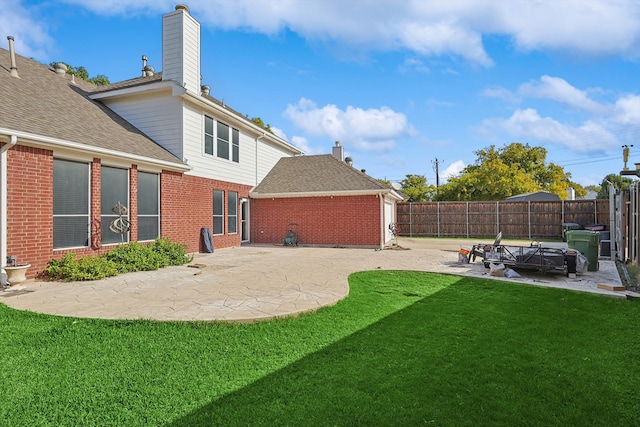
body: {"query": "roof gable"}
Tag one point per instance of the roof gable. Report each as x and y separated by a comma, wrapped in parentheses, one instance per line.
(316, 174)
(43, 103)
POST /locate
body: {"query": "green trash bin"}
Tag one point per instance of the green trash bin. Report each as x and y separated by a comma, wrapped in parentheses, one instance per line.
(586, 242)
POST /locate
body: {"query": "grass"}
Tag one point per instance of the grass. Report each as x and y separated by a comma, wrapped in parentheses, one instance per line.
(405, 348)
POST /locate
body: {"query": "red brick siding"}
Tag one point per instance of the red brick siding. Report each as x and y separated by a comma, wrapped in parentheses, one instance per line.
(185, 207)
(30, 206)
(335, 221)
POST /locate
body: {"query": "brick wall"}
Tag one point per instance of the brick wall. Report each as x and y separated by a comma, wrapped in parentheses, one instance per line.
(185, 206)
(333, 221)
(30, 206)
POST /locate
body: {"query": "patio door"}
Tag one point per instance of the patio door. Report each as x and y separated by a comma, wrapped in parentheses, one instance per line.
(244, 220)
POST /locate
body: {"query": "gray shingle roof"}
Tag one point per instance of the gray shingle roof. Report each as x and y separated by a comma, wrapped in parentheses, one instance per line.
(315, 174)
(44, 103)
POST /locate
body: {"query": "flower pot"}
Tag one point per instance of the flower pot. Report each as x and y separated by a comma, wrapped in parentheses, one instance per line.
(17, 273)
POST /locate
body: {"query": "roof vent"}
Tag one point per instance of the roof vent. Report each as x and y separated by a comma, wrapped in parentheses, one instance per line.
(14, 68)
(205, 89)
(60, 68)
(147, 70)
(363, 170)
(349, 161)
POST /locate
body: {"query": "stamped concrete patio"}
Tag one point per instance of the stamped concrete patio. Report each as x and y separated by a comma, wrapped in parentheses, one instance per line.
(259, 282)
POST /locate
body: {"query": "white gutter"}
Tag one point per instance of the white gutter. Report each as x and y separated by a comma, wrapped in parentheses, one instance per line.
(13, 139)
(257, 143)
(382, 230)
(318, 194)
(61, 143)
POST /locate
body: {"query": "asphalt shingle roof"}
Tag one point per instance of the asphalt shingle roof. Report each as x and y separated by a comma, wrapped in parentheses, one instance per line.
(44, 103)
(320, 173)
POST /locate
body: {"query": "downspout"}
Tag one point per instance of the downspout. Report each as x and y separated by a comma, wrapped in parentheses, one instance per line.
(13, 139)
(382, 229)
(257, 142)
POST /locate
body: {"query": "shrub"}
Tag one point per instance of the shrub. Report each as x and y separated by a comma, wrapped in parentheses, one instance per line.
(135, 257)
(121, 259)
(68, 268)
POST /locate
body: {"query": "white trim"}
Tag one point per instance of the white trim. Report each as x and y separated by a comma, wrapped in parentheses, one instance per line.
(387, 193)
(57, 144)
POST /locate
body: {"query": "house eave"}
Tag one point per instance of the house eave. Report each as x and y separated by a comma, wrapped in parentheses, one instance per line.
(239, 120)
(384, 192)
(42, 141)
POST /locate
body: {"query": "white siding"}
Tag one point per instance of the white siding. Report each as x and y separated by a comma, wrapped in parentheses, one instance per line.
(247, 172)
(159, 116)
(181, 50)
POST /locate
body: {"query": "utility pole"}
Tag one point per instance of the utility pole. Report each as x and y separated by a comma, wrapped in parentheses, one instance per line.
(435, 167)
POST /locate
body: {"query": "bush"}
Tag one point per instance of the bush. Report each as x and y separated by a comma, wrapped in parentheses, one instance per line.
(121, 259)
(86, 268)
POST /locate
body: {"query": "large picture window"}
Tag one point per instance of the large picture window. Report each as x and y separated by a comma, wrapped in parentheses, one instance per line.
(148, 206)
(71, 190)
(218, 212)
(232, 212)
(114, 189)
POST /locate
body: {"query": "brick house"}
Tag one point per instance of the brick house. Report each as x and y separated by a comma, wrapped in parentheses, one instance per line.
(159, 145)
(325, 200)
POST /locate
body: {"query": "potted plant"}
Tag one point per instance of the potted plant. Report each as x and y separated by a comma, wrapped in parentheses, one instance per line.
(16, 273)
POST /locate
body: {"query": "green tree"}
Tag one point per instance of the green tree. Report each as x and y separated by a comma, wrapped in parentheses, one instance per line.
(619, 183)
(417, 189)
(385, 182)
(258, 121)
(82, 73)
(514, 169)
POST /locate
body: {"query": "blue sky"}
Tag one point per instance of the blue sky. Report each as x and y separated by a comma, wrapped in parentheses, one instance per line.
(399, 83)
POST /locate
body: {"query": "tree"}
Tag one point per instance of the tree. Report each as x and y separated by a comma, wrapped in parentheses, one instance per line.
(514, 169)
(417, 189)
(82, 73)
(385, 182)
(258, 121)
(619, 183)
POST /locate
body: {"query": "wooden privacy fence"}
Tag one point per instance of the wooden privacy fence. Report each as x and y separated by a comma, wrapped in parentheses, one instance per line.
(516, 220)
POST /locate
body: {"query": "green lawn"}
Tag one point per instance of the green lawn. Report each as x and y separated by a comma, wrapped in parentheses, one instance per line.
(405, 348)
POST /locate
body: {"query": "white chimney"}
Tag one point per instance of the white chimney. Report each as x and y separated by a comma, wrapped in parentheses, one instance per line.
(571, 193)
(338, 151)
(181, 49)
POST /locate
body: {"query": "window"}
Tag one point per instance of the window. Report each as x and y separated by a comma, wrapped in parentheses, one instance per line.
(235, 153)
(148, 206)
(218, 212)
(114, 189)
(208, 135)
(232, 212)
(223, 140)
(227, 140)
(70, 204)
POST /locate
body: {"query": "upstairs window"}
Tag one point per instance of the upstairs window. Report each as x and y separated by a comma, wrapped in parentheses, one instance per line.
(208, 135)
(221, 140)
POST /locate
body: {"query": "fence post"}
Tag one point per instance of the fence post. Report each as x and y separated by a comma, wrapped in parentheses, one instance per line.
(410, 220)
(529, 218)
(497, 217)
(563, 221)
(438, 213)
(467, 220)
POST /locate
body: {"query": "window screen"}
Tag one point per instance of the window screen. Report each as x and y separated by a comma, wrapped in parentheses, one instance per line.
(70, 204)
(148, 206)
(114, 188)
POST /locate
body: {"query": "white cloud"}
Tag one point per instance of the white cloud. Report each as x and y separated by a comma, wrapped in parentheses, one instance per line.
(528, 125)
(561, 91)
(452, 170)
(627, 110)
(413, 64)
(501, 93)
(590, 28)
(29, 32)
(374, 129)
